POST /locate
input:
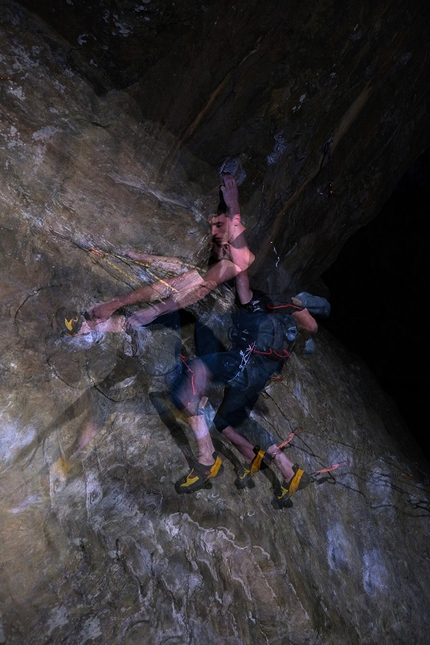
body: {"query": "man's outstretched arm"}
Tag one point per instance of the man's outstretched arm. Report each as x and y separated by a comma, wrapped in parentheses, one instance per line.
(220, 272)
(158, 290)
(164, 262)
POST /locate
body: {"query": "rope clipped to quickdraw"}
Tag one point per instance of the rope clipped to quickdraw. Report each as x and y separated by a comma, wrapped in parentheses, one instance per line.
(327, 153)
(193, 387)
(329, 469)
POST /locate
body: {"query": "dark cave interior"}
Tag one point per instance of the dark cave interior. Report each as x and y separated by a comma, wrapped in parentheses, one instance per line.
(378, 285)
(379, 274)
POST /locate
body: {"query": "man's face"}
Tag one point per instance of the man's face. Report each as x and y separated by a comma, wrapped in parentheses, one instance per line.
(220, 229)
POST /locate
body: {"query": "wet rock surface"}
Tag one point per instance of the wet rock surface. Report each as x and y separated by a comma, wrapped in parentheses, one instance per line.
(101, 549)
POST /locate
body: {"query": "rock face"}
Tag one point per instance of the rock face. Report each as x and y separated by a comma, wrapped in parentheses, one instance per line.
(102, 549)
(270, 86)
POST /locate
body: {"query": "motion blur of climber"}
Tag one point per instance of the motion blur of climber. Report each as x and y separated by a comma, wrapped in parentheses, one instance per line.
(231, 258)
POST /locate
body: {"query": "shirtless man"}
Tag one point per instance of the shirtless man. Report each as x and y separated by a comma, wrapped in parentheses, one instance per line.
(234, 258)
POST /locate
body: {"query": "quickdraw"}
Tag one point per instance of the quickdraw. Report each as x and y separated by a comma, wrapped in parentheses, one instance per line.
(316, 472)
(330, 468)
(287, 440)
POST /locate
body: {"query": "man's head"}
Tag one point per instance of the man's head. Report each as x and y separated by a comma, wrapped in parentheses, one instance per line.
(223, 227)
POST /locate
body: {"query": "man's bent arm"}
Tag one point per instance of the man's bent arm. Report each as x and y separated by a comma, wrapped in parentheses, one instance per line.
(164, 262)
(230, 194)
(244, 292)
(220, 272)
(305, 321)
(158, 290)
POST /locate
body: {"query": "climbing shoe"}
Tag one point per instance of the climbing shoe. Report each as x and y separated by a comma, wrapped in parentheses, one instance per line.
(299, 481)
(69, 321)
(260, 462)
(199, 476)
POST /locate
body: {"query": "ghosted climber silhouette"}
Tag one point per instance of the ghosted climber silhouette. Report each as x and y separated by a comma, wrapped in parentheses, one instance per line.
(233, 258)
(244, 369)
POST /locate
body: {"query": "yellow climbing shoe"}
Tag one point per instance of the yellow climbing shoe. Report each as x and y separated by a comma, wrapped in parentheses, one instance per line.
(199, 476)
(298, 481)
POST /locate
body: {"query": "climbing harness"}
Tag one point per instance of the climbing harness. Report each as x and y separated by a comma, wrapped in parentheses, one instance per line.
(199, 476)
(240, 378)
(270, 334)
(245, 356)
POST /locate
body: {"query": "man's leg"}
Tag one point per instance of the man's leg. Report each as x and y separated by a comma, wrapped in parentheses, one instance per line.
(233, 414)
(196, 380)
(204, 441)
(281, 461)
(209, 463)
(247, 450)
(189, 398)
(243, 445)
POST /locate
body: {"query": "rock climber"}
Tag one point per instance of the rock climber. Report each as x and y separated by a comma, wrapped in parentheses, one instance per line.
(233, 257)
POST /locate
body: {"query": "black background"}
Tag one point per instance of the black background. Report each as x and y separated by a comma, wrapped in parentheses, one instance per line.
(379, 296)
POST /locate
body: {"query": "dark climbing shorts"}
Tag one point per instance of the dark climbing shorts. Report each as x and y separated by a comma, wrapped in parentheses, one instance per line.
(243, 386)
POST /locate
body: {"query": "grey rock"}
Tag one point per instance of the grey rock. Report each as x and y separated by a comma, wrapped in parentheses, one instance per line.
(99, 548)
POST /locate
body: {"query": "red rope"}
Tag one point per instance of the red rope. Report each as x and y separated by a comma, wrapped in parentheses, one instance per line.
(285, 306)
(327, 470)
(192, 372)
(287, 440)
(272, 351)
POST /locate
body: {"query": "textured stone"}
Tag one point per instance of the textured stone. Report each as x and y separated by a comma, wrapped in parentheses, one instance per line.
(269, 85)
(107, 552)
